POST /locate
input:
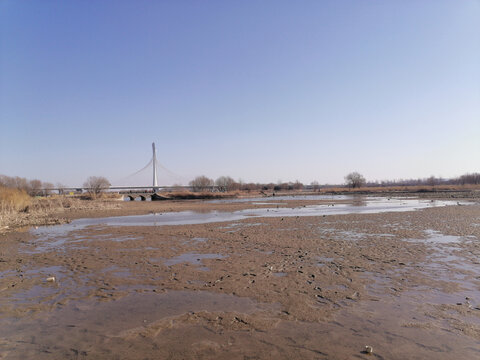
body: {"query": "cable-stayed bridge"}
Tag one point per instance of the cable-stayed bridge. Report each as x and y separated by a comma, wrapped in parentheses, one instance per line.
(133, 192)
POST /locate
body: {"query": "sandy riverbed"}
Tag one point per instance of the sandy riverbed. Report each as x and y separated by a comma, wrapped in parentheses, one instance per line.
(306, 287)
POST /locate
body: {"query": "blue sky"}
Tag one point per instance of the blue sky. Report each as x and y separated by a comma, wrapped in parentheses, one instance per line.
(262, 91)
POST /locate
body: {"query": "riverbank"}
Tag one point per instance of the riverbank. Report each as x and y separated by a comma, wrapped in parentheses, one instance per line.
(62, 209)
(296, 287)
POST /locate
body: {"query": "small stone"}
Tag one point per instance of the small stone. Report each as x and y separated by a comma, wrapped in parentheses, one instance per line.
(353, 296)
(368, 349)
(51, 279)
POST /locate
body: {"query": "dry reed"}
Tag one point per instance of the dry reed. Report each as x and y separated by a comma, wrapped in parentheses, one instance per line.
(48, 210)
(13, 200)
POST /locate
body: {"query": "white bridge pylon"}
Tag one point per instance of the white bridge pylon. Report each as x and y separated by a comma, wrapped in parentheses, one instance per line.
(154, 160)
(156, 166)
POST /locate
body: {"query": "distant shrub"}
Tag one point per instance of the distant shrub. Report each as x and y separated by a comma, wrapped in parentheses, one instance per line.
(226, 183)
(355, 180)
(96, 185)
(201, 183)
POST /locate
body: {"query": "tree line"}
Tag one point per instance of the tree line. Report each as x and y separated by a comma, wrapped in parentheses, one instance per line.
(33, 187)
(352, 180)
(97, 184)
(226, 183)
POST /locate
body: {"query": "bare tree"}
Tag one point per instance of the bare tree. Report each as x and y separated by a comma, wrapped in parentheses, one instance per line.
(355, 180)
(469, 179)
(96, 184)
(226, 183)
(201, 183)
(34, 187)
(432, 181)
(47, 188)
(297, 185)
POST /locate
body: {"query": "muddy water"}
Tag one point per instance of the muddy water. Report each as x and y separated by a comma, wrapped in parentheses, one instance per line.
(307, 287)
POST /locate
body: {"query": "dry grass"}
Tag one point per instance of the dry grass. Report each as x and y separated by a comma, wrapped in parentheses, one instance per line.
(48, 210)
(101, 196)
(13, 200)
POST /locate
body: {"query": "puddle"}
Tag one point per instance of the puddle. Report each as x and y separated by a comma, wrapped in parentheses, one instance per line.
(447, 254)
(56, 271)
(54, 238)
(92, 320)
(350, 235)
(431, 296)
(280, 274)
(37, 293)
(196, 240)
(138, 249)
(7, 273)
(438, 238)
(191, 258)
(266, 252)
(448, 264)
(43, 292)
(117, 271)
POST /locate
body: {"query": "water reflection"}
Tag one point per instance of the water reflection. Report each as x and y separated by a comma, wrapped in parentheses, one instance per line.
(359, 201)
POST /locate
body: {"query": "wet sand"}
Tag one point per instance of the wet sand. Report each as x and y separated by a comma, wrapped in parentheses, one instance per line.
(290, 287)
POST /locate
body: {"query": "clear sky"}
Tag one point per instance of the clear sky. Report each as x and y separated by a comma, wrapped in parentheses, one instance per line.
(258, 90)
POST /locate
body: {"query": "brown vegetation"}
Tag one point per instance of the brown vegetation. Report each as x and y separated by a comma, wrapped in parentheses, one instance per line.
(355, 180)
(32, 187)
(13, 200)
(46, 210)
(226, 183)
(201, 183)
(96, 185)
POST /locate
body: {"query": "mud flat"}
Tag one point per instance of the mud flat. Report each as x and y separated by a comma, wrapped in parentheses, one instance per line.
(285, 278)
